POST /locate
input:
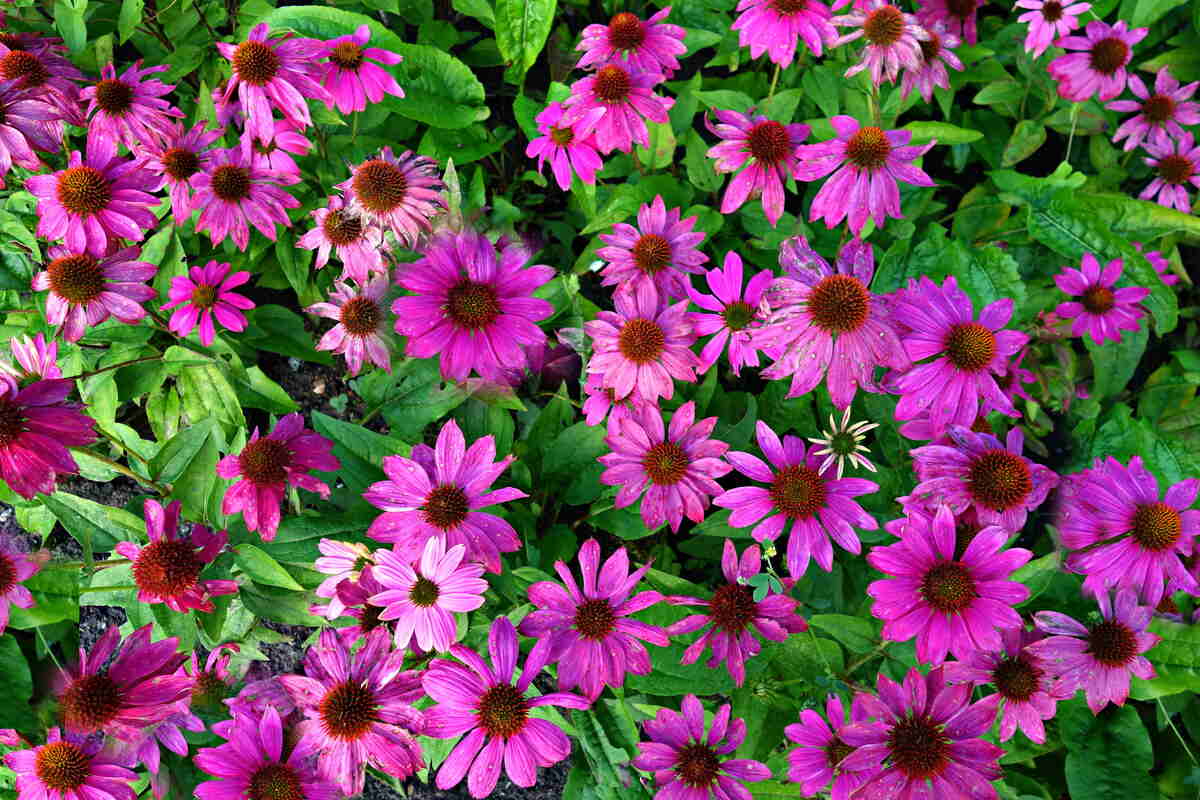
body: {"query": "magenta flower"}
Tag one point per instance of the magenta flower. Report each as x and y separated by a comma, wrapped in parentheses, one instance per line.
(589, 633)
(688, 764)
(958, 17)
(357, 241)
(1099, 659)
(167, 570)
(483, 702)
(439, 493)
(71, 768)
(1099, 66)
(651, 46)
(1176, 165)
(268, 465)
(949, 601)
(642, 345)
(37, 425)
(268, 73)
(233, 191)
(567, 145)
(816, 763)
(361, 323)
(178, 158)
(424, 597)
(472, 306)
(23, 128)
(1157, 260)
(627, 99)
(15, 566)
(343, 562)
(774, 26)
(892, 39)
(866, 163)
(679, 464)
(350, 75)
(252, 762)
(660, 253)
(354, 598)
(823, 321)
(397, 193)
(37, 357)
(204, 293)
(925, 740)
(772, 151)
(275, 154)
(1101, 311)
(601, 400)
(138, 689)
(166, 734)
(801, 494)
(732, 612)
(358, 709)
(41, 66)
(975, 471)
(129, 109)
(85, 290)
(736, 314)
(968, 355)
(1159, 115)
(211, 683)
(1048, 20)
(95, 201)
(936, 55)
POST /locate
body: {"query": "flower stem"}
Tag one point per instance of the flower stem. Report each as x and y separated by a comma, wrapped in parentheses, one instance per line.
(774, 81)
(126, 471)
(112, 562)
(106, 588)
(99, 370)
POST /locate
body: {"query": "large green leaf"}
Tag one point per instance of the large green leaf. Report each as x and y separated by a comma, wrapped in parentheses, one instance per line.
(522, 27)
(18, 685)
(1176, 661)
(95, 526)
(1108, 755)
(1114, 362)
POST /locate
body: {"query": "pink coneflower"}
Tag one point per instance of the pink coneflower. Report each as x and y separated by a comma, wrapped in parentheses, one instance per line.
(350, 76)
(601, 400)
(167, 570)
(138, 689)
(936, 55)
(1124, 535)
(892, 39)
(343, 562)
(1160, 264)
(211, 683)
(660, 251)
(1012, 382)
(95, 201)
(949, 601)
(627, 99)
(37, 425)
(37, 356)
(179, 157)
(800, 494)
(354, 598)
(273, 73)
(424, 597)
(1159, 115)
(72, 768)
(1101, 311)
(769, 148)
(358, 709)
(736, 314)
(484, 703)
(566, 145)
(16, 566)
(679, 464)
(925, 740)
(253, 763)
(233, 191)
(976, 471)
(473, 306)
(361, 323)
(1099, 658)
(642, 346)
(357, 241)
(774, 26)
(129, 109)
(646, 46)
(268, 465)
(868, 162)
(40, 64)
(168, 734)
(968, 355)
(1049, 20)
(589, 632)
(689, 764)
(816, 763)
(275, 153)
(439, 493)
(23, 118)
(397, 193)
(204, 293)
(823, 321)
(1175, 165)
(732, 612)
(958, 17)
(85, 290)
(1099, 69)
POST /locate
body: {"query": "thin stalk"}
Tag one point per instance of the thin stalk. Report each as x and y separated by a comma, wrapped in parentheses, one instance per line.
(774, 81)
(111, 367)
(124, 470)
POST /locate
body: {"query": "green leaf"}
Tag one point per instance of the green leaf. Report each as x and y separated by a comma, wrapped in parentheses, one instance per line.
(128, 19)
(68, 21)
(262, 568)
(256, 390)
(96, 527)
(1037, 574)
(1176, 661)
(1026, 139)
(522, 27)
(419, 399)
(288, 607)
(1143, 13)
(1108, 755)
(669, 677)
(782, 107)
(1113, 363)
(823, 86)
(179, 451)
(280, 330)
(18, 685)
(943, 132)
(856, 634)
(204, 389)
(608, 776)
(55, 599)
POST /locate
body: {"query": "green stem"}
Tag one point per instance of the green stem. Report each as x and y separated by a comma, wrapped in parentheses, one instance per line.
(1071, 138)
(86, 589)
(1171, 723)
(858, 662)
(110, 367)
(46, 647)
(126, 471)
(876, 113)
(112, 562)
(774, 81)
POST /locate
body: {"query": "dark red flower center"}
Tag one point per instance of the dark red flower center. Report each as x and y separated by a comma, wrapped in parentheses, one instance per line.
(769, 142)
(1167, 605)
(231, 184)
(1175, 169)
(114, 97)
(446, 507)
(970, 346)
(360, 316)
(999, 480)
(348, 710)
(625, 32)
(90, 702)
(798, 491)
(204, 296)
(595, 619)
(732, 607)
(652, 253)
(83, 190)
(255, 62)
(12, 425)
(1052, 11)
(737, 315)
(839, 304)
(1016, 679)
(167, 568)
(8, 572)
(641, 340)
(265, 461)
(919, 748)
(1109, 55)
(1098, 299)
(697, 765)
(347, 55)
(948, 587)
(208, 689)
(78, 278)
(1157, 526)
(666, 463)
(981, 424)
(612, 84)
(62, 766)
(180, 163)
(12, 41)
(562, 136)
(503, 711)
(275, 782)
(884, 26)
(869, 147)
(960, 9)
(836, 752)
(964, 534)
(1158, 108)
(472, 305)
(369, 619)
(1112, 643)
(931, 47)
(20, 65)
(785, 8)
(342, 229)
(380, 186)
(424, 593)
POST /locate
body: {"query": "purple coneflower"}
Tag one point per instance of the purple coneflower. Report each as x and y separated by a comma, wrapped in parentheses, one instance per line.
(129, 109)
(736, 314)
(23, 115)
(179, 157)
(37, 356)
(350, 76)
(1161, 265)
(354, 600)
(1049, 20)
(1099, 66)
(660, 251)
(361, 323)
(357, 242)
(644, 45)
(1175, 165)
(275, 154)
(72, 768)
(774, 26)
(15, 567)
(1159, 115)
(936, 55)
(211, 683)
(233, 191)
(627, 99)
(204, 293)
(601, 400)
(816, 763)
(892, 39)
(397, 193)
(958, 17)
(168, 734)
(769, 148)
(37, 426)
(40, 64)
(85, 290)
(343, 562)
(566, 145)
(1101, 311)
